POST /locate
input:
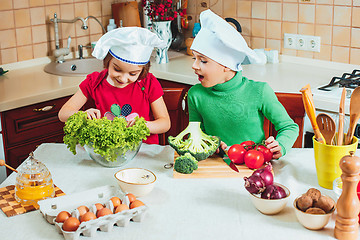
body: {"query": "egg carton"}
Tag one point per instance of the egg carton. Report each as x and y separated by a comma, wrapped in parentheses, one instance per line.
(51, 207)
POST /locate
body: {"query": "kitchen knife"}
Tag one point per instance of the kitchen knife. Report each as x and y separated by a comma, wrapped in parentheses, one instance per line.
(227, 160)
(340, 137)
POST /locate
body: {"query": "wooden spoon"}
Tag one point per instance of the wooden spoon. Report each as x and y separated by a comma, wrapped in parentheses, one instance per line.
(340, 137)
(354, 114)
(2, 163)
(310, 111)
(327, 127)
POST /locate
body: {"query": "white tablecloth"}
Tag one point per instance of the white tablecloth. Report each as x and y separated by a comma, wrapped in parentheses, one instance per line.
(217, 208)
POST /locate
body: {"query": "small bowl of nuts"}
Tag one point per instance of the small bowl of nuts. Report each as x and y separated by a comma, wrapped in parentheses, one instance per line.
(313, 210)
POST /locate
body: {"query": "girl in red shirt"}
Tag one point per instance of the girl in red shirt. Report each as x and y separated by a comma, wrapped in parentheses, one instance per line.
(125, 84)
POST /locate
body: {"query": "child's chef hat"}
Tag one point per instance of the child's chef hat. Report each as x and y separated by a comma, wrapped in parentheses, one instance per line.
(132, 45)
(221, 42)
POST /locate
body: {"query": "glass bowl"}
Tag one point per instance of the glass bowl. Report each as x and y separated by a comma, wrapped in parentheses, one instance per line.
(120, 160)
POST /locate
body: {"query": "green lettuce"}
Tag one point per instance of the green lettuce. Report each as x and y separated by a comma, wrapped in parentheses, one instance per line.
(108, 138)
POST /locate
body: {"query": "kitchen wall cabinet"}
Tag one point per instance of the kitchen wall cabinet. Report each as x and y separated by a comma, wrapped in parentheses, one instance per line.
(27, 127)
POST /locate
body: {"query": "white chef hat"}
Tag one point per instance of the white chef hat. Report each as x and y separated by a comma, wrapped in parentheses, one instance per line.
(132, 45)
(221, 42)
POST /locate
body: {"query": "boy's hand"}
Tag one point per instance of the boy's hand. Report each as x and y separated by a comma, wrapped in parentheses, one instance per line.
(222, 145)
(93, 113)
(274, 147)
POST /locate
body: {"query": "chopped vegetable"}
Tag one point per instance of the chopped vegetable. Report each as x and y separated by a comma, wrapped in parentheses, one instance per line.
(108, 138)
(185, 164)
(197, 143)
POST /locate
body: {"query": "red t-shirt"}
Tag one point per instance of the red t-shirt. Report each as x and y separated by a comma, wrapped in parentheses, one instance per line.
(134, 98)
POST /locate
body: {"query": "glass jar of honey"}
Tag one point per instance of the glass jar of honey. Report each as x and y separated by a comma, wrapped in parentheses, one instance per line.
(33, 182)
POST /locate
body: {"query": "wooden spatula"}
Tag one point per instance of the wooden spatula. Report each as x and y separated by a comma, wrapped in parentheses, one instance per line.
(327, 127)
(354, 114)
(340, 137)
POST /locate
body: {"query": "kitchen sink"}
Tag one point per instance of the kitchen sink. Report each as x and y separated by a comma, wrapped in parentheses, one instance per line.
(75, 67)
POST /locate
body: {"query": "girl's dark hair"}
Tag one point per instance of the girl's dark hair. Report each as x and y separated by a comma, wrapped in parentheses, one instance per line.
(143, 73)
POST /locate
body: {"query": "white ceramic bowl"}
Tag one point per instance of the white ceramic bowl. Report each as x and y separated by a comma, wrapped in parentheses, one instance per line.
(137, 181)
(312, 221)
(270, 206)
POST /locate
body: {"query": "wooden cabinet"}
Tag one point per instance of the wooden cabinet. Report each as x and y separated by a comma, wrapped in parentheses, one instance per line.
(27, 127)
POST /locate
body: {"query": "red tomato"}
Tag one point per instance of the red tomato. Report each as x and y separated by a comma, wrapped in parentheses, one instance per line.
(268, 155)
(247, 144)
(254, 159)
(236, 153)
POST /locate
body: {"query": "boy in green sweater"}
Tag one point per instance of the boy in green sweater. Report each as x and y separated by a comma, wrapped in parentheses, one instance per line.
(228, 104)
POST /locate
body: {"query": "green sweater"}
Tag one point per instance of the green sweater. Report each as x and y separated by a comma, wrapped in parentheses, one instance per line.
(235, 110)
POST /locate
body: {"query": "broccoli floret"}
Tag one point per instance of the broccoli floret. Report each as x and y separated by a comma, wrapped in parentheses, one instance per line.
(197, 143)
(185, 164)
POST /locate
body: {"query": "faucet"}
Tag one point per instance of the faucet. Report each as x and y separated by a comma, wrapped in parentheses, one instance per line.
(97, 20)
(80, 50)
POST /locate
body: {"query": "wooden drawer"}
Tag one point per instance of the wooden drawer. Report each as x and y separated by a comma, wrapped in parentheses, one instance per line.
(32, 122)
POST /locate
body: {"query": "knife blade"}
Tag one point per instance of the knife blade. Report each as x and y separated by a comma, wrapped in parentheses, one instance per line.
(227, 160)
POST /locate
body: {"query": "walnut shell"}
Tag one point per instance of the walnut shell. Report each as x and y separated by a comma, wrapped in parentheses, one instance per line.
(314, 194)
(325, 203)
(315, 210)
(304, 202)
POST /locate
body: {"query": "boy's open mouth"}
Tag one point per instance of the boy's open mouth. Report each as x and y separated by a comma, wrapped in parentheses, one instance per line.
(201, 77)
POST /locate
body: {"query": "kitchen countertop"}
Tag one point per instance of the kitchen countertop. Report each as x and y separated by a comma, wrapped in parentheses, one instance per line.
(26, 83)
(208, 208)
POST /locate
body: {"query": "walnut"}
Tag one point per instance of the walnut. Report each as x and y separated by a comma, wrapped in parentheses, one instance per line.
(315, 210)
(325, 203)
(304, 202)
(314, 194)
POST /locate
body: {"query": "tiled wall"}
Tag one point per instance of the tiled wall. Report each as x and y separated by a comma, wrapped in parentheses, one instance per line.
(264, 23)
(26, 31)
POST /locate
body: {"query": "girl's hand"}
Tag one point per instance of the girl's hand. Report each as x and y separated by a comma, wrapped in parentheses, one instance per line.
(130, 122)
(93, 113)
(274, 147)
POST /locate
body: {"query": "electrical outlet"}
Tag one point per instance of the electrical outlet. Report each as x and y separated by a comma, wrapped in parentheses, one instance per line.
(313, 43)
(289, 40)
(302, 42)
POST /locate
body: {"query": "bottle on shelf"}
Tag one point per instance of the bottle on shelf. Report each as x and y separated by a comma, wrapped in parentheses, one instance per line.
(111, 25)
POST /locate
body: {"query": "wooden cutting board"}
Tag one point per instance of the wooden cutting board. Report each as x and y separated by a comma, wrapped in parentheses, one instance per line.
(214, 167)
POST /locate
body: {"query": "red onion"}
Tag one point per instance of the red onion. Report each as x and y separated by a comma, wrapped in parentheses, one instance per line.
(254, 184)
(273, 192)
(265, 174)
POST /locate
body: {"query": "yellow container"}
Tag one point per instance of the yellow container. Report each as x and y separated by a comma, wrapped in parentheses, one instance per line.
(327, 158)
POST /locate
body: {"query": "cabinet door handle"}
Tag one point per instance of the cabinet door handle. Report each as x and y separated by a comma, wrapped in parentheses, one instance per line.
(44, 109)
(183, 102)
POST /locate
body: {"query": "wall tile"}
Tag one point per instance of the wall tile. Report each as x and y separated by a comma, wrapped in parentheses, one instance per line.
(273, 11)
(228, 9)
(257, 42)
(37, 15)
(356, 17)
(355, 37)
(66, 1)
(8, 55)
(24, 53)
(325, 32)
(66, 12)
(340, 54)
(287, 51)
(66, 31)
(244, 9)
(258, 28)
(51, 2)
(305, 54)
(356, 3)
(20, 4)
(306, 29)
(106, 7)
(36, 3)
(83, 41)
(258, 10)
(219, 8)
(94, 9)
(343, 2)
(328, 2)
(7, 38)
(50, 10)
(341, 36)
(245, 26)
(292, 1)
(94, 27)
(39, 34)
(324, 54)
(81, 10)
(306, 13)
(342, 16)
(273, 30)
(355, 56)
(95, 37)
(273, 44)
(290, 12)
(6, 5)
(22, 18)
(7, 19)
(324, 14)
(289, 27)
(23, 36)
